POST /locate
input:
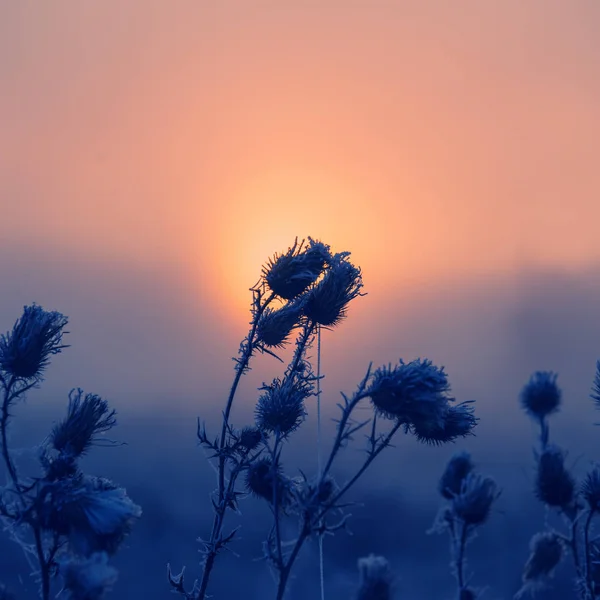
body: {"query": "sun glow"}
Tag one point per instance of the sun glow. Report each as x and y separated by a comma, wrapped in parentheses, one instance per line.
(264, 215)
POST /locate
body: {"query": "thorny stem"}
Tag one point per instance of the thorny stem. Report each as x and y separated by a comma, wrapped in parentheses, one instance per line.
(460, 558)
(320, 515)
(45, 563)
(12, 471)
(274, 469)
(222, 505)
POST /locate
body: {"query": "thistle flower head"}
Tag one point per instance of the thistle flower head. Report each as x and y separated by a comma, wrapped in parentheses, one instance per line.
(290, 274)
(475, 500)
(546, 553)
(275, 326)
(457, 469)
(87, 416)
(281, 408)
(590, 489)
(541, 396)
(311, 497)
(88, 578)
(457, 421)
(250, 438)
(26, 350)
(261, 479)
(93, 512)
(554, 485)
(327, 302)
(375, 578)
(411, 392)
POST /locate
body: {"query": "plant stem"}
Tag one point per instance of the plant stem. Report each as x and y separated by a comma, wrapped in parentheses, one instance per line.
(3, 426)
(222, 505)
(460, 558)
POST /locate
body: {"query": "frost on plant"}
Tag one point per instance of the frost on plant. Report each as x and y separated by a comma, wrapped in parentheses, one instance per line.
(302, 291)
(67, 522)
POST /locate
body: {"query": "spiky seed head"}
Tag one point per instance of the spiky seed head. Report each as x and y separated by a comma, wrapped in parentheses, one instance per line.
(281, 408)
(289, 275)
(327, 302)
(554, 485)
(541, 396)
(457, 469)
(375, 578)
(87, 417)
(590, 489)
(261, 478)
(250, 438)
(546, 552)
(411, 392)
(474, 503)
(274, 326)
(457, 421)
(25, 351)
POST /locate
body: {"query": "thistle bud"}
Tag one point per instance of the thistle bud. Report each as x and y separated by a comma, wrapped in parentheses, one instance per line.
(290, 274)
(457, 469)
(327, 302)
(261, 479)
(26, 351)
(541, 396)
(475, 500)
(86, 418)
(546, 553)
(554, 485)
(411, 392)
(375, 578)
(250, 438)
(281, 408)
(457, 421)
(275, 326)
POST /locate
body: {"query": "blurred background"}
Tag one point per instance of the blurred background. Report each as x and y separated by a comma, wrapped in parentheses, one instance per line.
(154, 155)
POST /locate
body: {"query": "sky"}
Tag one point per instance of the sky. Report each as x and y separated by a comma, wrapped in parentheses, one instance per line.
(159, 153)
(154, 155)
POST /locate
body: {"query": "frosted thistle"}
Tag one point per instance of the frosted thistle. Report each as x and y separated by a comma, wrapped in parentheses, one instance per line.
(259, 481)
(26, 350)
(95, 514)
(554, 485)
(541, 396)
(417, 394)
(474, 503)
(88, 578)
(250, 438)
(590, 489)
(289, 275)
(458, 421)
(327, 302)
(274, 326)
(87, 416)
(375, 578)
(546, 553)
(457, 469)
(280, 409)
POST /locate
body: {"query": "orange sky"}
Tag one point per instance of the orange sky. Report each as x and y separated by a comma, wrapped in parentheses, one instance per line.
(427, 137)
